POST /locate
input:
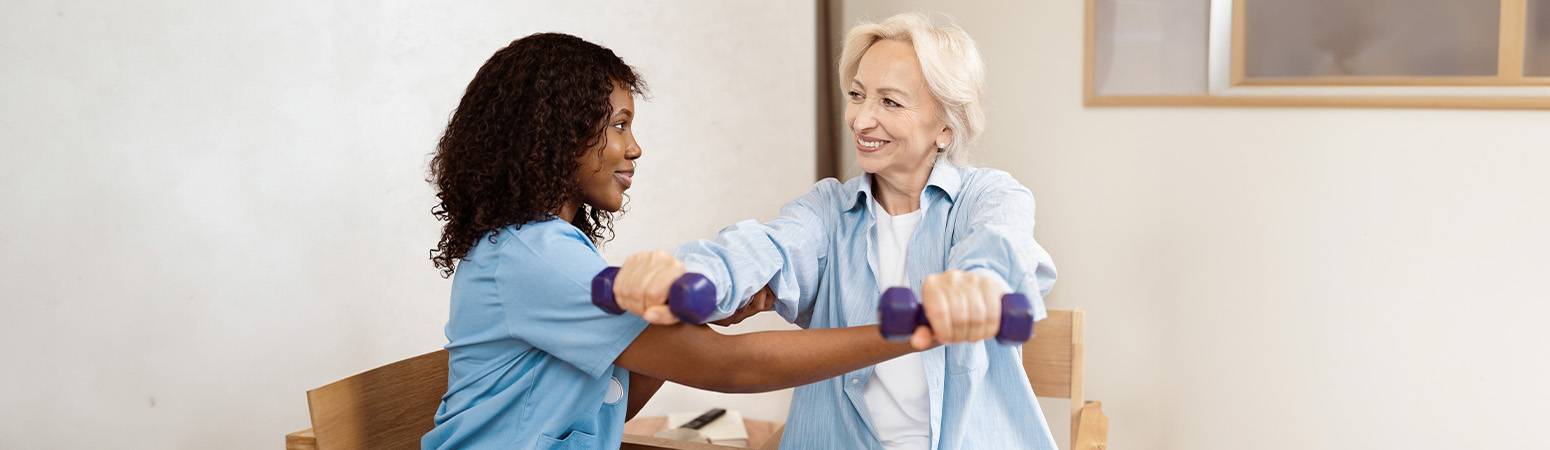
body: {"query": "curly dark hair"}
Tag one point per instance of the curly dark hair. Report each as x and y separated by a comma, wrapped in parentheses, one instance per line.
(513, 145)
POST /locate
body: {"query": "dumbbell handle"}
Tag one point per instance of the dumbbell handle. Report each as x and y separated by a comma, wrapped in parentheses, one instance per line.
(898, 313)
(692, 297)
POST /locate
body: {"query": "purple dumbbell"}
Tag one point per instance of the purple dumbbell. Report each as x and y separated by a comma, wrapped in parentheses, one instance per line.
(692, 297)
(898, 314)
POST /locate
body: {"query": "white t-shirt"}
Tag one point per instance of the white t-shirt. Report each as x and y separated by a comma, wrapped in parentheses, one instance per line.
(896, 394)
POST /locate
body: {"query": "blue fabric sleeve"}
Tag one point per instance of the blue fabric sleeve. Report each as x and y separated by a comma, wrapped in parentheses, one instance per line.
(999, 243)
(545, 285)
(787, 254)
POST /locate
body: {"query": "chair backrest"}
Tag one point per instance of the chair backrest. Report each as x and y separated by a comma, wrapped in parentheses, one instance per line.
(388, 407)
(1053, 359)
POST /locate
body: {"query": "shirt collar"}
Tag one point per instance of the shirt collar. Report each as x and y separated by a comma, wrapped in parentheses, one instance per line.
(944, 176)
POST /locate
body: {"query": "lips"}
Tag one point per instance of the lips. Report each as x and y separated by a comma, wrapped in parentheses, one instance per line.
(868, 145)
(626, 177)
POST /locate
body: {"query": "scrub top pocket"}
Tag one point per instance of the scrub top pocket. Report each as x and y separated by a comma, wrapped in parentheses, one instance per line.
(574, 440)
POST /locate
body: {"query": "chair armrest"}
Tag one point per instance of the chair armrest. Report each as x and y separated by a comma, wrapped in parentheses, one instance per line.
(301, 440)
(1092, 431)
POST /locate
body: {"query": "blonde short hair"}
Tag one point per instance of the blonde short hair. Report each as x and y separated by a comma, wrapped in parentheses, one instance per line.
(950, 61)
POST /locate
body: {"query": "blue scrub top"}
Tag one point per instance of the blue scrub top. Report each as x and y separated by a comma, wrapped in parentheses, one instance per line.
(531, 359)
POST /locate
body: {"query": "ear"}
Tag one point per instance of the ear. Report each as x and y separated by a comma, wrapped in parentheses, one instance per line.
(944, 138)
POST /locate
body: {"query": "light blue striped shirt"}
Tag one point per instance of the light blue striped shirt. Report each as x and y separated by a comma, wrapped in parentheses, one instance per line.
(816, 257)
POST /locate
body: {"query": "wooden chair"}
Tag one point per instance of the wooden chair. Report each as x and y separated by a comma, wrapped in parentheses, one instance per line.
(386, 408)
(1053, 359)
(391, 406)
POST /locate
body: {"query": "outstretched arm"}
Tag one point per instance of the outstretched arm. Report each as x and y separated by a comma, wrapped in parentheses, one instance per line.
(696, 356)
(996, 254)
(785, 256)
(643, 387)
(999, 243)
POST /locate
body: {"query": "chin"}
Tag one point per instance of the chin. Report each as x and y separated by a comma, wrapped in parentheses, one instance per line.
(870, 162)
(611, 206)
(869, 165)
(614, 206)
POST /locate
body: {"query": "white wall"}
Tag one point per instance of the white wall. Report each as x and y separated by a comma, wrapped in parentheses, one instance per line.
(207, 208)
(1278, 278)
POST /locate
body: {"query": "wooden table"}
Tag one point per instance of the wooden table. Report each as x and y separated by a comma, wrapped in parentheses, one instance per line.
(639, 432)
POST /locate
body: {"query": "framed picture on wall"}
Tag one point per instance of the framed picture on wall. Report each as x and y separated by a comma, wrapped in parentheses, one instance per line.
(1362, 53)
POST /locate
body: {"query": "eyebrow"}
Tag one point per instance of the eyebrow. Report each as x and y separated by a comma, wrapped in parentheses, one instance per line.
(885, 91)
(626, 113)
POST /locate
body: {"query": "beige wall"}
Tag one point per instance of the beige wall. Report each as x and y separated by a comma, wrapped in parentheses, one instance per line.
(207, 208)
(1278, 278)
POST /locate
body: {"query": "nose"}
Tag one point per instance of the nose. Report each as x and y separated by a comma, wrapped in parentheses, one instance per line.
(632, 150)
(865, 118)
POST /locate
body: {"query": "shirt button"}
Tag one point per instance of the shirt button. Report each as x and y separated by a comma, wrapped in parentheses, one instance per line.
(855, 380)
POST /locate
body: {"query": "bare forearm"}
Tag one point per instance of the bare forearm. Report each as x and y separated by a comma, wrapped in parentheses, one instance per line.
(773, 360)
(756, 362)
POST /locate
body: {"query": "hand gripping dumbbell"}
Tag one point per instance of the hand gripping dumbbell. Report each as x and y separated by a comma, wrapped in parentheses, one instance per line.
(898, 313)
(692, 297)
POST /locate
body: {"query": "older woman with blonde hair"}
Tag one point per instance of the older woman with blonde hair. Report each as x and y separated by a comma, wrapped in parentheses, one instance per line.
(920, 217)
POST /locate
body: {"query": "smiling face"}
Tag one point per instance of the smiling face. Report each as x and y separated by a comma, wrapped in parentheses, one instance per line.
(608, 168)
(892, 115)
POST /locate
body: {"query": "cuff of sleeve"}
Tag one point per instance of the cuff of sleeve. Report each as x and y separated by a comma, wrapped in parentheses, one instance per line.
(991, 274)
(600, 367)
(691, 266)
(725, 304)
(1039, 312)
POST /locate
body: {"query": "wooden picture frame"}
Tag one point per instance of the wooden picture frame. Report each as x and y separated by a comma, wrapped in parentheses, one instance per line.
(1509, 89)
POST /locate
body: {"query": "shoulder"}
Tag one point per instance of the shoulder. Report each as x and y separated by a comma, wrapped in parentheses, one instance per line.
(532, 245)
(986, 176)
(549, 260)
(979, 182)
(829, 195)
(834, 190)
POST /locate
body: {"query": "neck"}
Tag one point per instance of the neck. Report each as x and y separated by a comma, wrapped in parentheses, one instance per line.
(900, 193)
(567, 211)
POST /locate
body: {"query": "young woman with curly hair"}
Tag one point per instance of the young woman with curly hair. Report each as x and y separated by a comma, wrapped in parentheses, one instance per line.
(532, 166)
